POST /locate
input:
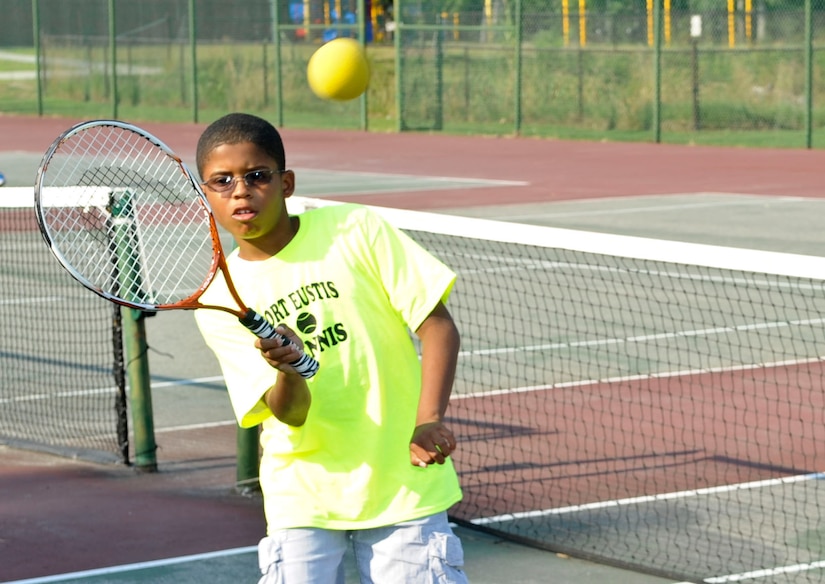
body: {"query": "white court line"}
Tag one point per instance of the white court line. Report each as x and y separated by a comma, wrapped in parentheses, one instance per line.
(768, 572)
(702, 333)
(196, 426)
(650, 498)
(740, 200)
(335, 174)
(321, 183)
(34, 300)
(750, 575)
(105, 390)
(137, 566)
(623, 378)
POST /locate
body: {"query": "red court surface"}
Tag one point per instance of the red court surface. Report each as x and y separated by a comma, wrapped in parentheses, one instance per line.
(59, 516)
(554, 170)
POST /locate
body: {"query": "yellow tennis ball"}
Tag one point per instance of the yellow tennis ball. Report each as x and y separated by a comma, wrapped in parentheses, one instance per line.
(339, 70)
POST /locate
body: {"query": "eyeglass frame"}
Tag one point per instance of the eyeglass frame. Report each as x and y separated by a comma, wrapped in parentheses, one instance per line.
(230, 186)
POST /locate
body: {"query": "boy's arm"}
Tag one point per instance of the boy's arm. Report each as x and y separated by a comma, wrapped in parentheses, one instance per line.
(432, 441)
(288, 399)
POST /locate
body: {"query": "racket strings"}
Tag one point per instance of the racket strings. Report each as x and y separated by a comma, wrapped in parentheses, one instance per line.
(126, 216)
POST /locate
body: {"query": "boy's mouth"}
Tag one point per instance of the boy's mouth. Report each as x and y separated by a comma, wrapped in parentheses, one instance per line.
(244, 214)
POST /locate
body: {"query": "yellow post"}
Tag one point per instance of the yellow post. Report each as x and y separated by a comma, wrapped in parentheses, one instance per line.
(565, 21)
(731, 23)
(582, 23)
(667, 22)
(649, 8)
(749, 20)
(377, 33)
(488, 18)
(456, 23)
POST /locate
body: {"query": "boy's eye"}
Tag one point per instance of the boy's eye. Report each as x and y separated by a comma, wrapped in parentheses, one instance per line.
(253, 178)
(220, 184)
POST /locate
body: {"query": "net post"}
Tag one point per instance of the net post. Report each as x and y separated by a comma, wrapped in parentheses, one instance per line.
(126, 268)
(246, 476)
(140, 393)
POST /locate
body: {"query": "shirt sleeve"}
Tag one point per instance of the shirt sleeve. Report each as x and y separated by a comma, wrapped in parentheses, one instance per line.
(414, 279)
(246, 374)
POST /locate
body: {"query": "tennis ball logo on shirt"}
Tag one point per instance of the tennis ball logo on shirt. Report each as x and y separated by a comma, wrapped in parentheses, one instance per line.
(315, 340)
(306, 323)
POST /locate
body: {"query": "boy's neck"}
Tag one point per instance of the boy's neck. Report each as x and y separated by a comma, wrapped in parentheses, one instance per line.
(264, 248)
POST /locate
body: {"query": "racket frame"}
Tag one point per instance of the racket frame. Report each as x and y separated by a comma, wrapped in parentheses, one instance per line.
(305, 365)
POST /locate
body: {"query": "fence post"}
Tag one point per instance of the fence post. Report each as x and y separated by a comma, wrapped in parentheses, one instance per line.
(36, 36)
(362, 36)
(113, 57)
(399, 73)
(276, 45)
(193, 55)
(657, 71)
(518, 71)
(809, 74)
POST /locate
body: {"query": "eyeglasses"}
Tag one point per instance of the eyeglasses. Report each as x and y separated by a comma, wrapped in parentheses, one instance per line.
(253, 178)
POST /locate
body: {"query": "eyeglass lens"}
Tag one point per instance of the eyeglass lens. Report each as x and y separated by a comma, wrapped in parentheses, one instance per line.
(253, 178)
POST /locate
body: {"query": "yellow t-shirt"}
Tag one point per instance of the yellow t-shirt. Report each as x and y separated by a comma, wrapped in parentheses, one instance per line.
(352, 287)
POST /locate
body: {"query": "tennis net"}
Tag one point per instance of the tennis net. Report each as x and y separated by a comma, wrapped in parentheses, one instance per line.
(62, 385)
(649, 404)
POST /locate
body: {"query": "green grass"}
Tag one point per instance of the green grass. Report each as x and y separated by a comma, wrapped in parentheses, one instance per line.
(746, 98)
(12, 65)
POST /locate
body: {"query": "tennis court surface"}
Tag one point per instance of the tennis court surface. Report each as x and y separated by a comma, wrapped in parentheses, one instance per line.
(613, 406)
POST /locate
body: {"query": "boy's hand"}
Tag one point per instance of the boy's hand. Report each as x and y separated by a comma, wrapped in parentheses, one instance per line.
(431, 443)
(278, 355)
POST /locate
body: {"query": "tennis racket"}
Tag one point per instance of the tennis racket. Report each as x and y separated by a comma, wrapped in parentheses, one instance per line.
(127, 219)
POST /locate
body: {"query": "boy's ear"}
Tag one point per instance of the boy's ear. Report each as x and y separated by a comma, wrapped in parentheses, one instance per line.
(288, 183)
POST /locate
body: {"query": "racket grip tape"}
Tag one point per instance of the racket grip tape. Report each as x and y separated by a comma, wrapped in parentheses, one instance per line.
(305, 365)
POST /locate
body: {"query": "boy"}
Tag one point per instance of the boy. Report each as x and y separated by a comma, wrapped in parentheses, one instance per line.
(360, 452)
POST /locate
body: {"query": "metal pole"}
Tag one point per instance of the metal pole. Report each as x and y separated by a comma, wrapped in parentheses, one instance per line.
(193, 55)
(276, 44)
(113, 56)
(399, 97)
(518, 71)
(126, 266)
(697, 120)
(809, 74)
(140, 393)
(657, 71)
(37, 59)
(119, 371)
(438, 123)
(362, 35)
(248, 463)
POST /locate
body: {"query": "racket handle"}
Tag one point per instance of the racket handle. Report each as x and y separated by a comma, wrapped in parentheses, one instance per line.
(305, 365)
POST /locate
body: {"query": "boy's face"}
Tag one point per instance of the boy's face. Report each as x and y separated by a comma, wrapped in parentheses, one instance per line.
(254, 214)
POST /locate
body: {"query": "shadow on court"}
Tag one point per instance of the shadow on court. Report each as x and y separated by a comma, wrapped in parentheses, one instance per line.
(78, 522)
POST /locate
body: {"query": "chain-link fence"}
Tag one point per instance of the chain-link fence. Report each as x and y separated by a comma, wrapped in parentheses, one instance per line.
(724, 70)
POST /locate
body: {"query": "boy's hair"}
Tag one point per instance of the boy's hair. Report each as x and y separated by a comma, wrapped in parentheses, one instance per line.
(238, 128)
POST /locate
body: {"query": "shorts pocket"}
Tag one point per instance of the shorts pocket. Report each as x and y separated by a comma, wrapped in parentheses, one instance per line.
(446, 559)
(270, 558)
